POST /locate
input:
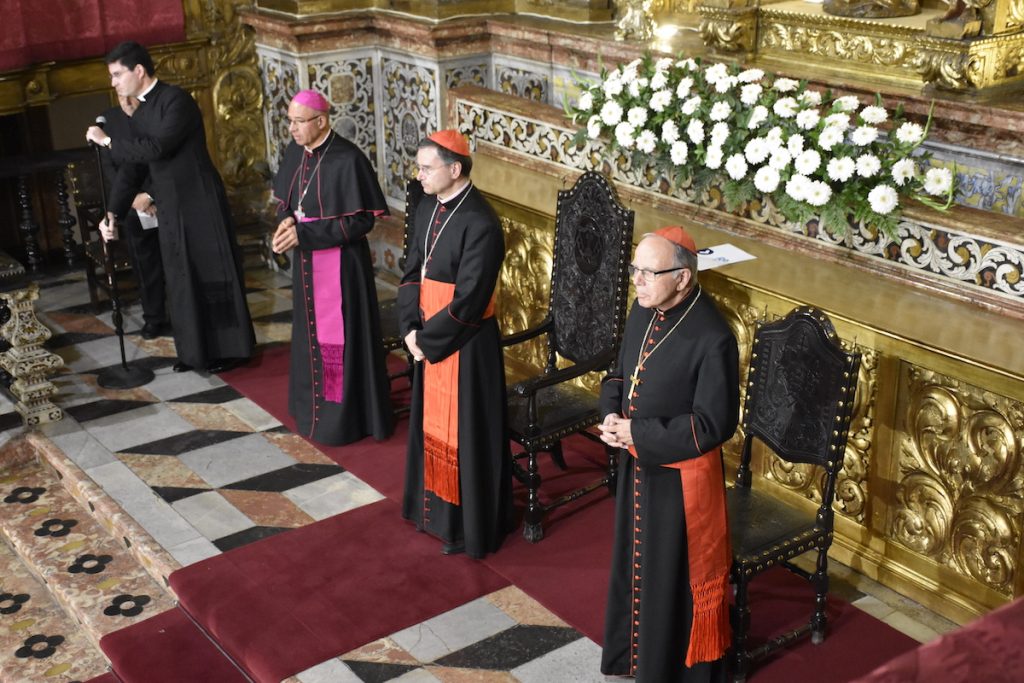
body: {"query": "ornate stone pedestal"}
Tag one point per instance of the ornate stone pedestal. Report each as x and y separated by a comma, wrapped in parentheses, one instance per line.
(27, 361)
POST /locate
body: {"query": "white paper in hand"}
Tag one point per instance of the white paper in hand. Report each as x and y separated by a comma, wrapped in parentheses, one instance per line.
(148, 222)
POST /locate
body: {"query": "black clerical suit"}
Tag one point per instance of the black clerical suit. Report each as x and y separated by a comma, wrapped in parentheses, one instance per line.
(202, 262)
(686, 403)
(466, 247)
(337, 189)
(123, 182)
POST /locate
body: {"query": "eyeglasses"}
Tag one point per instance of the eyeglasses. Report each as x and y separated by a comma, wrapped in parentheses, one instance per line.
(297, 121)
(427, 170)
(649, 276)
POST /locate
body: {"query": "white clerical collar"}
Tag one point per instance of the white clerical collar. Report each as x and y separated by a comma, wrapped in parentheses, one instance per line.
(453, 195)
(142, 97)
(319, 144)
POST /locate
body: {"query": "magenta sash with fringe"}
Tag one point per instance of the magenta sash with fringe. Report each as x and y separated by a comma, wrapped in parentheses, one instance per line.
(329, 318)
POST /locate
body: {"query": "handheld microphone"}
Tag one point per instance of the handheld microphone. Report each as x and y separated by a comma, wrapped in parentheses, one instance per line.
(100, 122)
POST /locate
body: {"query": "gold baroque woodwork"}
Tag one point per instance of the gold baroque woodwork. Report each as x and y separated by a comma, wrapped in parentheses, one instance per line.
(954, 71)
(852, 482)
(525, 286)
(961, 489)
(728, 30)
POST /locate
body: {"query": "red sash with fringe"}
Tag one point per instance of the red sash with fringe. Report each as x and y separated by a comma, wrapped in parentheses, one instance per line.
(710, 554)
(441, 403)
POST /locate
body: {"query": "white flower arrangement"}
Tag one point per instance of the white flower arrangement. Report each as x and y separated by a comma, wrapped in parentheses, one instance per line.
(753, 132)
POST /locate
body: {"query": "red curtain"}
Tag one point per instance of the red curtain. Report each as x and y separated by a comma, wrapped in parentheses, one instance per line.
(45, 30)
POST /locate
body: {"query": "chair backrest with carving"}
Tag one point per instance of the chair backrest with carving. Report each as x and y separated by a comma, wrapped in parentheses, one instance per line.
(800, 390)
(87, 189)
(589, 286)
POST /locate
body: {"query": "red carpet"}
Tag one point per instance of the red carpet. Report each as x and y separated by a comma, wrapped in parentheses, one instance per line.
(167, 648)
(284, 604)
(567, 572)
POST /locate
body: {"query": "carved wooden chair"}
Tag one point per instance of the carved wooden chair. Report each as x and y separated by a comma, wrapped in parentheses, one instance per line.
(389, 327)
(800, 397)
(87, 190)
(586, 314)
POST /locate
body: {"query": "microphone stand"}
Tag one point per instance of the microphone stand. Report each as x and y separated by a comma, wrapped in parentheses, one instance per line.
(121, 376)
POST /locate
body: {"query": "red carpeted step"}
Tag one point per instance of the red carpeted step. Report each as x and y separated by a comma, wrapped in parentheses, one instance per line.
(167, 648)
(568, 571)
(283, 604)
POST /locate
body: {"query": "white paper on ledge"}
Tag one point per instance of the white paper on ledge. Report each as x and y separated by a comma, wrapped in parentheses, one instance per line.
(721, 255)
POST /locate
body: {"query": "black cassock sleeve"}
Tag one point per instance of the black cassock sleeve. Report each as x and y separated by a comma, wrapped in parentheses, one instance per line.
(612, 387)
(179, 118)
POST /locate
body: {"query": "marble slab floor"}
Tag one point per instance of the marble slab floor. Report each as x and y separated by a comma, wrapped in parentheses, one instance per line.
(150, 450)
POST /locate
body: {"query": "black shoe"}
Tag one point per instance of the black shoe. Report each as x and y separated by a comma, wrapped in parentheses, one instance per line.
(225, 364)
(453, 548)
(153, 330)
(181, 367)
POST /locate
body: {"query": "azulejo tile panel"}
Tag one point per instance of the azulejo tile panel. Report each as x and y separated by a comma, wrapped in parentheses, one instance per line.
(280, 76)
(955, 259)
(347, 82)
(410, 101)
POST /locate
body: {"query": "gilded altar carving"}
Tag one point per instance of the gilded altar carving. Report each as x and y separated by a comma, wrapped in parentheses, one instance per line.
(837, 43)
(872, 9)
(960, 489)
(729, 30)
(954, 71)
(524, 288)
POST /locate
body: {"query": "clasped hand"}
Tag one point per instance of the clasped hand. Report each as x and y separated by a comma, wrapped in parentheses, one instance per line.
(616, 431)
(285, 237)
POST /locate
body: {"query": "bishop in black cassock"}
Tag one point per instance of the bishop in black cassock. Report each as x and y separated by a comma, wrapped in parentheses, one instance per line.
(328, 200)
(670, 404)
(458, 477)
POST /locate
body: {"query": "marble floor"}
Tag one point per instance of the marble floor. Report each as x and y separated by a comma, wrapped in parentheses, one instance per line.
(202, 469)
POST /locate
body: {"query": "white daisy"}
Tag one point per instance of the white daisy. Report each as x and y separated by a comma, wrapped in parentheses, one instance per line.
(659, 80)
(750, 76)
(612, 87)
(807, 162)
(736, 167)
(795, 144)
(786, 107)
(683, 89)
(841, 169)
(883, 199)
(679, 152)
(660, 100)
(808, 119)
(873, 115)
(719, 133)
(594, 127)
(818, 193)
(910, 133)
(780, 158)
(868, 165)
(695, 131)
(785, 84)
(720, 111)
(750, 93)
(716, 72)
(847, 103)
(829, 138)
(766, 179)
(690, 105)
(903, 170)
(797, 186)
(624, 134)
(669, 131)
(713, 158)
(810, 97)
(611, 113)
(758, 115)
(838, 120)
(585, 102)
(938, 181)
(637, 116)
(646, 141)
(864, 135)
(757, 150)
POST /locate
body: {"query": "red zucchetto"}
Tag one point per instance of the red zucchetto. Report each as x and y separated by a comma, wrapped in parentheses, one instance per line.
(677, 235)
(452, 140)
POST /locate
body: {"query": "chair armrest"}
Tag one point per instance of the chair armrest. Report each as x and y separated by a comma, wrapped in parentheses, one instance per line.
(535, 384)
(525, 335)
